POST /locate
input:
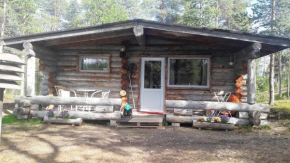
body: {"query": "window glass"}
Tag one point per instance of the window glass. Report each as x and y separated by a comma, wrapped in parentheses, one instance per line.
(97, 64)
(152, 78)
(188, 72)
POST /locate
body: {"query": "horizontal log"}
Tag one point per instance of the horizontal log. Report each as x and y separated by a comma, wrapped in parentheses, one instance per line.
(104, 109)
(189, 119)
(67, 58)
(184, 112)
(76, 122)
(223, 75)
(47, 68)
(221, 62)
(217, 105)
(223, 70)
(243, 115)
(94, 79)
(255, 114)
(66, 63)
(191, 97)
(112, 84)
(46, 100)
(47, 62)
(88, 74)
(221, 82)
(223, 88)
(83, 115)
(46, 57)
(187, 92)
(218, 126)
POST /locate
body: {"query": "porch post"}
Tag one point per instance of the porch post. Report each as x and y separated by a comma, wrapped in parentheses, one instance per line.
(251, 83)
(30, 73)
(1, 109)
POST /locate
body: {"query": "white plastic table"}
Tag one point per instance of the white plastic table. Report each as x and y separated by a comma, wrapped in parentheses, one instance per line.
(86, 91)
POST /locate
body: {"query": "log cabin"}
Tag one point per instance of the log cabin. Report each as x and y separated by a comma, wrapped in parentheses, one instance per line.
(177, 70)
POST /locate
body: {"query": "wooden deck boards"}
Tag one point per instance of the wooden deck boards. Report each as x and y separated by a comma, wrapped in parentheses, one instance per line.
(141, 123)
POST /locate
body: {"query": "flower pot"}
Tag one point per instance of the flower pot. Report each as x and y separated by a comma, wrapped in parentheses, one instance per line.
(211, 125)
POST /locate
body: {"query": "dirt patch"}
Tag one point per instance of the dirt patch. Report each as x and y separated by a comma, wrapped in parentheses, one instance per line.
(98, 143)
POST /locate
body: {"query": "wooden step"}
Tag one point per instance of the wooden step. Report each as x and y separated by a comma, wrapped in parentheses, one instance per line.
(141, 123)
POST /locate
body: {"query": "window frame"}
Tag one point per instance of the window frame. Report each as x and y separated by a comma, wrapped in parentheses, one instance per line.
(98, 56)
(190, 86)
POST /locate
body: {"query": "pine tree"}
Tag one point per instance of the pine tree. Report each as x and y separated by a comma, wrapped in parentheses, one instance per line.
(74, 17)
(100, 12)
(166, 11)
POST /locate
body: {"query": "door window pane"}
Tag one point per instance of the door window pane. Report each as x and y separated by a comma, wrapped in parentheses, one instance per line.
(188, 72)
(152, 78)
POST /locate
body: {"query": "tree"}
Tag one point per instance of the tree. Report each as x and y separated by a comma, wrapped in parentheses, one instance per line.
(264, 14)
(51, 14)
(165, 11)
(201, 13)
(227, 14)
(3, 18)
(99, 12)
(74, 16)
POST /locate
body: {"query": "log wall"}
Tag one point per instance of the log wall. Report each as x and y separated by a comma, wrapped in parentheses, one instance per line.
(222, 77)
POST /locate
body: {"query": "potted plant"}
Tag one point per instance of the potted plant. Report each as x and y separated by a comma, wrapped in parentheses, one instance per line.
(221, 122)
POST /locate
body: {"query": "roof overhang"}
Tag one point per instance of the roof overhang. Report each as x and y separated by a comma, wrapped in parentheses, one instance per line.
(122, 31)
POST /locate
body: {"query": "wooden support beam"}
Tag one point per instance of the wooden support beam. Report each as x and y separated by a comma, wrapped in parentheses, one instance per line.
(206, 105)
(46, 100)
(30, 77)
(251, 83)
(139, 34)
(250, 52)
(1, 108)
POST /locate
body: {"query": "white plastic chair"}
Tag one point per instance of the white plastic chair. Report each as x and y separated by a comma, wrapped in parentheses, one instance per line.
(95, 93)
(106, 94)
(222, 97)
(65, 93)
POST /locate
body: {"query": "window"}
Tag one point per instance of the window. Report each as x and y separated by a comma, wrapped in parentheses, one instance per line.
(94, 64)
(188, 72)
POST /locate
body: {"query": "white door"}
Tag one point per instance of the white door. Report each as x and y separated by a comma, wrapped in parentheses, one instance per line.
(152, 84)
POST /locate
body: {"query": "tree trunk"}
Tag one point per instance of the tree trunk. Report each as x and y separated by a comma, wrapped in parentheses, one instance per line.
(3, 19)
(271, 80)
(280, 74)
(217, 16)
(272, 57)
(288, 76)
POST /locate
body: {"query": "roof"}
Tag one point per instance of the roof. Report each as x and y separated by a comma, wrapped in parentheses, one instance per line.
(121, 31)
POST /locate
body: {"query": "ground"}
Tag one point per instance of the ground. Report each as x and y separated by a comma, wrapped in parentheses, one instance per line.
(100, 143)
(35, 142)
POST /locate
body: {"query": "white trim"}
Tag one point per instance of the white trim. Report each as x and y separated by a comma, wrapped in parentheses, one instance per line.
(162, 89)
(98, 57)
(190, 86)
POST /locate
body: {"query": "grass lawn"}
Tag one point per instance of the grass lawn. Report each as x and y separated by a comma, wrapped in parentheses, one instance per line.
(12, 119)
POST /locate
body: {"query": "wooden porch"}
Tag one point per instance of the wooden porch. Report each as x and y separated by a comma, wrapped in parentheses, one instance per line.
(183, 111)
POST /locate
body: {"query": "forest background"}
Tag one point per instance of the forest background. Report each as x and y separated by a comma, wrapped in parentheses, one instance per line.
(268, 17)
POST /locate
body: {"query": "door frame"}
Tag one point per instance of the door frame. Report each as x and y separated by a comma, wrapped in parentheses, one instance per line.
(163, 79)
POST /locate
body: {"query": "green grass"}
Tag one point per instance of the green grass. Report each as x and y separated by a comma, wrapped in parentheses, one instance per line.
(12, 119)
(281, 108)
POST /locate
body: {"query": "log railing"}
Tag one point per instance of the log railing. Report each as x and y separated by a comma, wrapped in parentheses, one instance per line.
(104, 111)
